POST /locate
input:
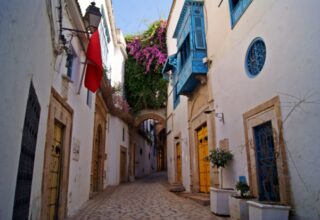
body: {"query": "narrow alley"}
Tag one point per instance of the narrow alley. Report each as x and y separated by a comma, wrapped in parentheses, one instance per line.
(159, 109)
(147, 198)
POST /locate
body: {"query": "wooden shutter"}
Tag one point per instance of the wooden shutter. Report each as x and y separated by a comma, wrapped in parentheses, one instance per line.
(199, 33)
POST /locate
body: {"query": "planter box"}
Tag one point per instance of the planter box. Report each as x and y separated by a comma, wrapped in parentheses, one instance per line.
(239, 209)
(219, 201)
(263, 211)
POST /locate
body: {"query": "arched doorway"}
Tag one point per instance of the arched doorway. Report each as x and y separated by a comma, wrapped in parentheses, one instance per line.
(97, 162)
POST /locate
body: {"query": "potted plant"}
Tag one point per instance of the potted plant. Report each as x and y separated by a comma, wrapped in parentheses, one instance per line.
(219, 198)
(238, 203)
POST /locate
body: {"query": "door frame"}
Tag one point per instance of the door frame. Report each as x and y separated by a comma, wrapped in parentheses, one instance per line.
(268, 111)
(61, 111)
(100, 120)
(197, 154)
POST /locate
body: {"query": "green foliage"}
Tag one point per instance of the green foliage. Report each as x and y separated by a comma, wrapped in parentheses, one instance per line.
(144, 83)
(219, 157)
(243, 187)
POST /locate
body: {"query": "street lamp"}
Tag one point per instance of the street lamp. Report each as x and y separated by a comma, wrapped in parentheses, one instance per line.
(91, 19)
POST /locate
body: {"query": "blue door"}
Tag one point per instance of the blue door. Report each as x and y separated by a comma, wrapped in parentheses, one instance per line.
(267, 174)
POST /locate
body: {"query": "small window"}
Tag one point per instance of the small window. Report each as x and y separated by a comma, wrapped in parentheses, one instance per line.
(237, 8)
(256, 57)
(185, 50)
(123, 134)
(199, 33)
(69, 63)
(89, 98)
(176, 97)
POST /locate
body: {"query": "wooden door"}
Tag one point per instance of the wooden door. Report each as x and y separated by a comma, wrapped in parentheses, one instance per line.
(179, 162)
(268, 183)
(95, 166)
(123, 165)
(55, 172)
(204, 165)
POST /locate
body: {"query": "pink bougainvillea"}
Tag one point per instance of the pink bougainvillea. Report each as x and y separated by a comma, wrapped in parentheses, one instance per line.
(148, 50)
(120, 102)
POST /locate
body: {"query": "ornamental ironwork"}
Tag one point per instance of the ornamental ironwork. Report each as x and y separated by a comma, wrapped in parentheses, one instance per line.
(256, 57)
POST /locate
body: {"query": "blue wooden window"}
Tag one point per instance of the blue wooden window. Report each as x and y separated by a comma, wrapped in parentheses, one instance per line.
(199, 31)
(237, 8)
(105, 26)
(256, 57)
(185, 50)
(176, 97)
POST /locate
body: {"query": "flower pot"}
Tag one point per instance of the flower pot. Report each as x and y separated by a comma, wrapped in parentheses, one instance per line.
(265, 211)
(219, 201)
(238, 207)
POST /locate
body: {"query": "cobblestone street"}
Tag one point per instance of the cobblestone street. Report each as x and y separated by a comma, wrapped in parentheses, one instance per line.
(147, 198)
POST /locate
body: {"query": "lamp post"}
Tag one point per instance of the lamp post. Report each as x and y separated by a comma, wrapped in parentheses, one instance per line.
(91, 20)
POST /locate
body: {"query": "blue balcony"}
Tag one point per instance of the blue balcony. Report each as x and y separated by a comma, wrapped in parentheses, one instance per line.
(191, 44)
(187, 76)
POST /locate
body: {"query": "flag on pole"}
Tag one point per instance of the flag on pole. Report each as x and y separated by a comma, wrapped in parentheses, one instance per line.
(94, 63)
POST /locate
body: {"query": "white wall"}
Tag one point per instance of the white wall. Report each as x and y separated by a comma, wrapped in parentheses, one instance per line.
(179, 116)
(115, 141)
(290, 31)
(25, 55)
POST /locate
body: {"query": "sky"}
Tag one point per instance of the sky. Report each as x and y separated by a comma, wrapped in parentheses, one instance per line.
(134, 16)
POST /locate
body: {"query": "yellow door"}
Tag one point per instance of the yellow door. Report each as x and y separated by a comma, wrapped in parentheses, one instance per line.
(204, 165)
(179, 163)
(55, 172)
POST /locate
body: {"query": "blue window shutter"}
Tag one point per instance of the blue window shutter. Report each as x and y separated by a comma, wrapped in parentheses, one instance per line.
(199, 33)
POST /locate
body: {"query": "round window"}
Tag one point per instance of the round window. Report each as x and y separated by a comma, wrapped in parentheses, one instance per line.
(256, 57)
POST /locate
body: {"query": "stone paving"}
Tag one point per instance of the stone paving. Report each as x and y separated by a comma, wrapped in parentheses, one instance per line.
(145, 199)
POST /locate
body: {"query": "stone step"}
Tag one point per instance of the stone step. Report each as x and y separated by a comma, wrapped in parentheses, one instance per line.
(201, 198)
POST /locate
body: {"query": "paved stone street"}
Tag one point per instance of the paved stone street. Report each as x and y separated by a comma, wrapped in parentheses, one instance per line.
(147, 198)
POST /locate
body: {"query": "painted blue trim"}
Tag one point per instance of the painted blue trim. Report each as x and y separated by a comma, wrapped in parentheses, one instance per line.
(246, 58)
(183, 14)
(237, 12)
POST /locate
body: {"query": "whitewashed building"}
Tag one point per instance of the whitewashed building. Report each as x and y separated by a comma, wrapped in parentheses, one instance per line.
(51, 126)
(262, 77)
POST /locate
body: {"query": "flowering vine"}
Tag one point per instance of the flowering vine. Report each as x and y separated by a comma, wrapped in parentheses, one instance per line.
(150, 47)
(147, 53)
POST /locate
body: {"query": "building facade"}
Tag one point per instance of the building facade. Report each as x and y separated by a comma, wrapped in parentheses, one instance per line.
(55, 133)
(261, 94)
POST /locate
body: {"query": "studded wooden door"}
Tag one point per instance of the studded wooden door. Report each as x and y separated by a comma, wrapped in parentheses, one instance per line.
(268, 182)
(55, 172)
(179, 162)
(96, 162)
(204, 165)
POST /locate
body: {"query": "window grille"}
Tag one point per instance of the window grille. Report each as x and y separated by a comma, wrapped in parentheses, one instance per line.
(256, 57)
(27, 155)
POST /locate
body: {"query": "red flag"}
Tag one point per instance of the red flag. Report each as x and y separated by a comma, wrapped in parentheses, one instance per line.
(94, 63)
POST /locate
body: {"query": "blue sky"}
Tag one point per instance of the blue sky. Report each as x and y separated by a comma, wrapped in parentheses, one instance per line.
(133, 16)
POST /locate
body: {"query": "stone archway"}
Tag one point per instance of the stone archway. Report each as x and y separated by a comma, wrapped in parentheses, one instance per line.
(158, 115)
